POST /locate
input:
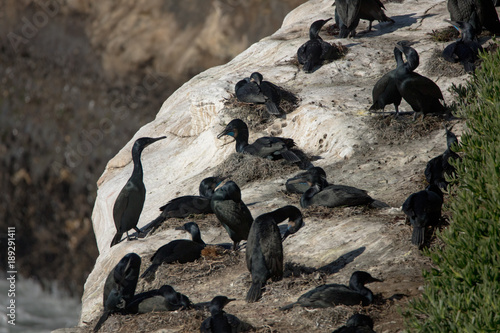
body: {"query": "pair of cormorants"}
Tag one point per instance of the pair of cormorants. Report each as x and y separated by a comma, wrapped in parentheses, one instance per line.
(187, 205)
(423, 208)
(269, 147)
(129, 203)
(330, 295)
(321, 193)
(256, 90)
(179, 250)
(349, 12)
(466, 49)
(264, 252)
(313, 52)
(220, 321)
(423, 95)
(439, 167)
(232, 212)
(357, 323)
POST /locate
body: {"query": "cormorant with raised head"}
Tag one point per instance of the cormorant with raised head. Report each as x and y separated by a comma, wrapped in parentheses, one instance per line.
(264, 252)
(187, 205)
(357, 323)
(267, 147)
(315, 50)
(179, 250)
(256, 90)
(232, 212)
(420, 92)
(347, 17)
(129, 203)
(299, 184)
(466, 49)
(119, 288)
(330, 295)
(163, 299)
(423, 209)
(322, 194)
(479, 13)
(220, 321)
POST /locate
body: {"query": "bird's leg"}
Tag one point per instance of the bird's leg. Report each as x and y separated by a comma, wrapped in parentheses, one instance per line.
(128, 237)
(235, 246)
(139, 232)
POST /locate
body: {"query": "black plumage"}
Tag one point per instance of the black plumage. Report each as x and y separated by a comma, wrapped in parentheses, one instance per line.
(347, 17)
(187, 205)
(420, 92)
(232, 212)
(220, 321)
(299, 183)
(163, 299)
(267, 147)
(256, 90)
(313, 52)
(357, 323)
(423, 208)
(119, 288)
(264, 252)
(372, 10)
(330, 295)
(130, 201)
(479, 13)
(439, 167)
(466, 49)
(179, 250)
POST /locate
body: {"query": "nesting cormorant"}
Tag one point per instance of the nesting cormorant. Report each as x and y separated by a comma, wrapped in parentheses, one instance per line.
(256, 90)
(267, 147)
(466, 49)
(322, 194)
(439, 167)
(187, 205)
(479, 13)
(315, 50)
(299, 184)
(220, 321)
(329, 295)
(163, 299)
(179, 250)
(372, 10)
(232, 212)
(347, 16)
(357, 323)
(119, 287)
(420, 92)
(129, 203)
(423, 209)
(264, 252)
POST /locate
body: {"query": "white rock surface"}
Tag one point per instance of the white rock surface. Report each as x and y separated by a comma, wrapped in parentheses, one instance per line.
(333, 110)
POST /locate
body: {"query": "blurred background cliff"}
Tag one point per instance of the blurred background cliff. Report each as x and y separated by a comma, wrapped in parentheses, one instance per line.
(78, 78)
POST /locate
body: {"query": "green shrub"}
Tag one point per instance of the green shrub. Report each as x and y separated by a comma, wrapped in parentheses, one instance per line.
(462, 292)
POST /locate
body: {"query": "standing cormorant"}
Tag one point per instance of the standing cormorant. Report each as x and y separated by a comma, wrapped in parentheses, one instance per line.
(129, 203)
(315, 50)
(163, 299)
(479, 13)
(372, 10)
(187, 205)
(420, 92)
(322, 194)
(119, 287)
(179, 250)
(232, 212)
(466, 49)
(268, 146)
(329, 295)
(439, 167)
(357, 323)
(423, 209)
(255, 90)
(264, 252)
(220, 321)
(347, 17)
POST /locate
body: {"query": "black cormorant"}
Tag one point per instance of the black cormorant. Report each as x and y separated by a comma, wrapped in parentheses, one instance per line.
(466, 49)
(420, 92)
(423, 209)
(119, 287)
(372, 10)
(347, 16)
(267, 147)
(264, 252)
(329, 295)
(232, 212)
(439, 167)
(315, 50)
(179, 250)
(479, 13)
(187, 205)
(220, 321)
(256, 90)
(163, 299)
(357, 323)
(322, 194)
(129, 203)
(299, 184)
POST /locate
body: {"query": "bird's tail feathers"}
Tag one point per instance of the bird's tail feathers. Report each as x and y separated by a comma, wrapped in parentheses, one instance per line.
(151, 271)
(417, 237)
(101, 321)
(290, 156)
(255, 292)
(116, 239)
(153, 225)
(272, 108)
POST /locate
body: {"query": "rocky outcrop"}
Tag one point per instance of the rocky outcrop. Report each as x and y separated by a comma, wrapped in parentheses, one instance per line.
(331, 122)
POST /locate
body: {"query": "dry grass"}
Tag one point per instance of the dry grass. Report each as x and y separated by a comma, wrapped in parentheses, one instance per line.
(444, 35)
(437, 66)
(404, 128)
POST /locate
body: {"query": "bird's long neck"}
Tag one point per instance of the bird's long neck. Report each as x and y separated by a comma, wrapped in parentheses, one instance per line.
(196, 237)
(360, 288)
(241, 140)
(314, 34)
(308, 195)
(283, 213)
(136, 158)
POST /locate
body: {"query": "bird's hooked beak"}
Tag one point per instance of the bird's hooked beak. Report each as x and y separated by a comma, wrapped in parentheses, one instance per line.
(293, 227)
(374, 280)
(228, 131)
(455, 24)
